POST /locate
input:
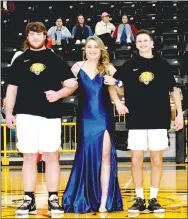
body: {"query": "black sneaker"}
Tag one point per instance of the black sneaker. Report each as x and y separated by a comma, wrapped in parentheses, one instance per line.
(53, 205)
(28, 206)
(138, 206)
(154, 206)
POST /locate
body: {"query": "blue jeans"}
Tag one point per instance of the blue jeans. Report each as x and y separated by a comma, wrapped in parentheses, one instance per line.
(124, 31)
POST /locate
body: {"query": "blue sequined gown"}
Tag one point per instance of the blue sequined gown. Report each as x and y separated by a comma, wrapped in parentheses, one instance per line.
(95, 115)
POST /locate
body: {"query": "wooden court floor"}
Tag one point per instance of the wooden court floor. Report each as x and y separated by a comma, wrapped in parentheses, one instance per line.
(172, 194)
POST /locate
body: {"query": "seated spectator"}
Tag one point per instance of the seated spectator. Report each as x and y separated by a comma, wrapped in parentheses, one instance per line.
(104, 29)
(59, 33)
(125, 32)
(104, 26)
(81, 31)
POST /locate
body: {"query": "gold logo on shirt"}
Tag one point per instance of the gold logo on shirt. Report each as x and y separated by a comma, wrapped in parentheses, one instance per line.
(146, 77)
(37, 68)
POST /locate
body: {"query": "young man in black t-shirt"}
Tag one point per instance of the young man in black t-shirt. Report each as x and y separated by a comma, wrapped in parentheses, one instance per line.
(35, 85)
(148, 81)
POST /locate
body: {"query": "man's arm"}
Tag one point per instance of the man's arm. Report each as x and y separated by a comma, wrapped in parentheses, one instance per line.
(120, 91)
(179, 121)
(122, 109)
(67, 91)
(53, 96)
(113, 94)
(10, 103)
(177, 100)
(11, 98)
(109, 80)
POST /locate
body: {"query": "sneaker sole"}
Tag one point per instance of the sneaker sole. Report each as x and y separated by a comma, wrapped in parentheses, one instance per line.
(21, 212)
(157, 211)
(136, 211)
(55, 212)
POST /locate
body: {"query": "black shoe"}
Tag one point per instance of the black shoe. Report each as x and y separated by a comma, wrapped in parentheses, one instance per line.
(53, 205)
(154, 206)
(28, 206)
(138, 206)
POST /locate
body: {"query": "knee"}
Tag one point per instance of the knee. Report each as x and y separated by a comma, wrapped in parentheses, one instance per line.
(156, 162)
(50, 157)
(136, 161)
(30, 158)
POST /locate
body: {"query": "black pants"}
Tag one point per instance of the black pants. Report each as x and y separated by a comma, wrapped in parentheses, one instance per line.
(108, 41)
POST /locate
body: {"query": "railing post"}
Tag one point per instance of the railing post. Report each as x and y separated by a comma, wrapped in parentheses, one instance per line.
(5, 159)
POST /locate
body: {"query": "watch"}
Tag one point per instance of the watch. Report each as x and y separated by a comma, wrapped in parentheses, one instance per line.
(119, 83)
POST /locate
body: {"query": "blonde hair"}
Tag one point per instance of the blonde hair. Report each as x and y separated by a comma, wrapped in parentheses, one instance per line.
(104, 60)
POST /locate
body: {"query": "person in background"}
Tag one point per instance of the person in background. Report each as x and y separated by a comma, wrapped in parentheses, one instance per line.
(105, 29)
(104, 26)
(81, 31)
(124, 33)
(59, 34)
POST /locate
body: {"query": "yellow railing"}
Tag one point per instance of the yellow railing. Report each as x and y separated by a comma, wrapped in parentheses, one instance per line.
(69, 141)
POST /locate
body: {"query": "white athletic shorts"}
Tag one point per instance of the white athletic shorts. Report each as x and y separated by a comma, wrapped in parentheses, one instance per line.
(36, 133)
(152, 139)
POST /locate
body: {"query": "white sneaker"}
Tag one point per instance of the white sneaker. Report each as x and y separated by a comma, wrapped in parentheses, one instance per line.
(128, 41)
(77, 42)
(118, 41)
(83, 41)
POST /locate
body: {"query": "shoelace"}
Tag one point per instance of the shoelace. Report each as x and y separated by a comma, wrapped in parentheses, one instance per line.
(154, 201)
(26, 203)
(54, 203)
(139, 202)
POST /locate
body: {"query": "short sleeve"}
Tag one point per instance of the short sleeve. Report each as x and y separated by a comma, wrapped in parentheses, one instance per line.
(14, 73)
(64, 70)
(171, 80)
(120, 74)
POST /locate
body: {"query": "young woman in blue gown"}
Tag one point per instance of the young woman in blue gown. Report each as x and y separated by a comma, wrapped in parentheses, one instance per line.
(93, 184)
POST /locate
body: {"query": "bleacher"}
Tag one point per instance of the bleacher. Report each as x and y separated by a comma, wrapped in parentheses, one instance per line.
(167, 20)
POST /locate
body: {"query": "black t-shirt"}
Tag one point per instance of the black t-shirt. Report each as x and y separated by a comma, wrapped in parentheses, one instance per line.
(35, 72)
(147, 83)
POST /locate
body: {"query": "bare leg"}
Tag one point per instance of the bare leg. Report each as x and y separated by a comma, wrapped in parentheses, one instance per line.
(52, 170)
(105, 169)
(156, 169)
(137, 158)
(29, 172)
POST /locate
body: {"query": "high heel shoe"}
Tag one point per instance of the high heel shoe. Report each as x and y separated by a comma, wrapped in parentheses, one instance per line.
(102, 210)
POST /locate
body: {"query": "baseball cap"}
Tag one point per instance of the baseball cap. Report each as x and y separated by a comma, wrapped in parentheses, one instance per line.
(105, 14)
